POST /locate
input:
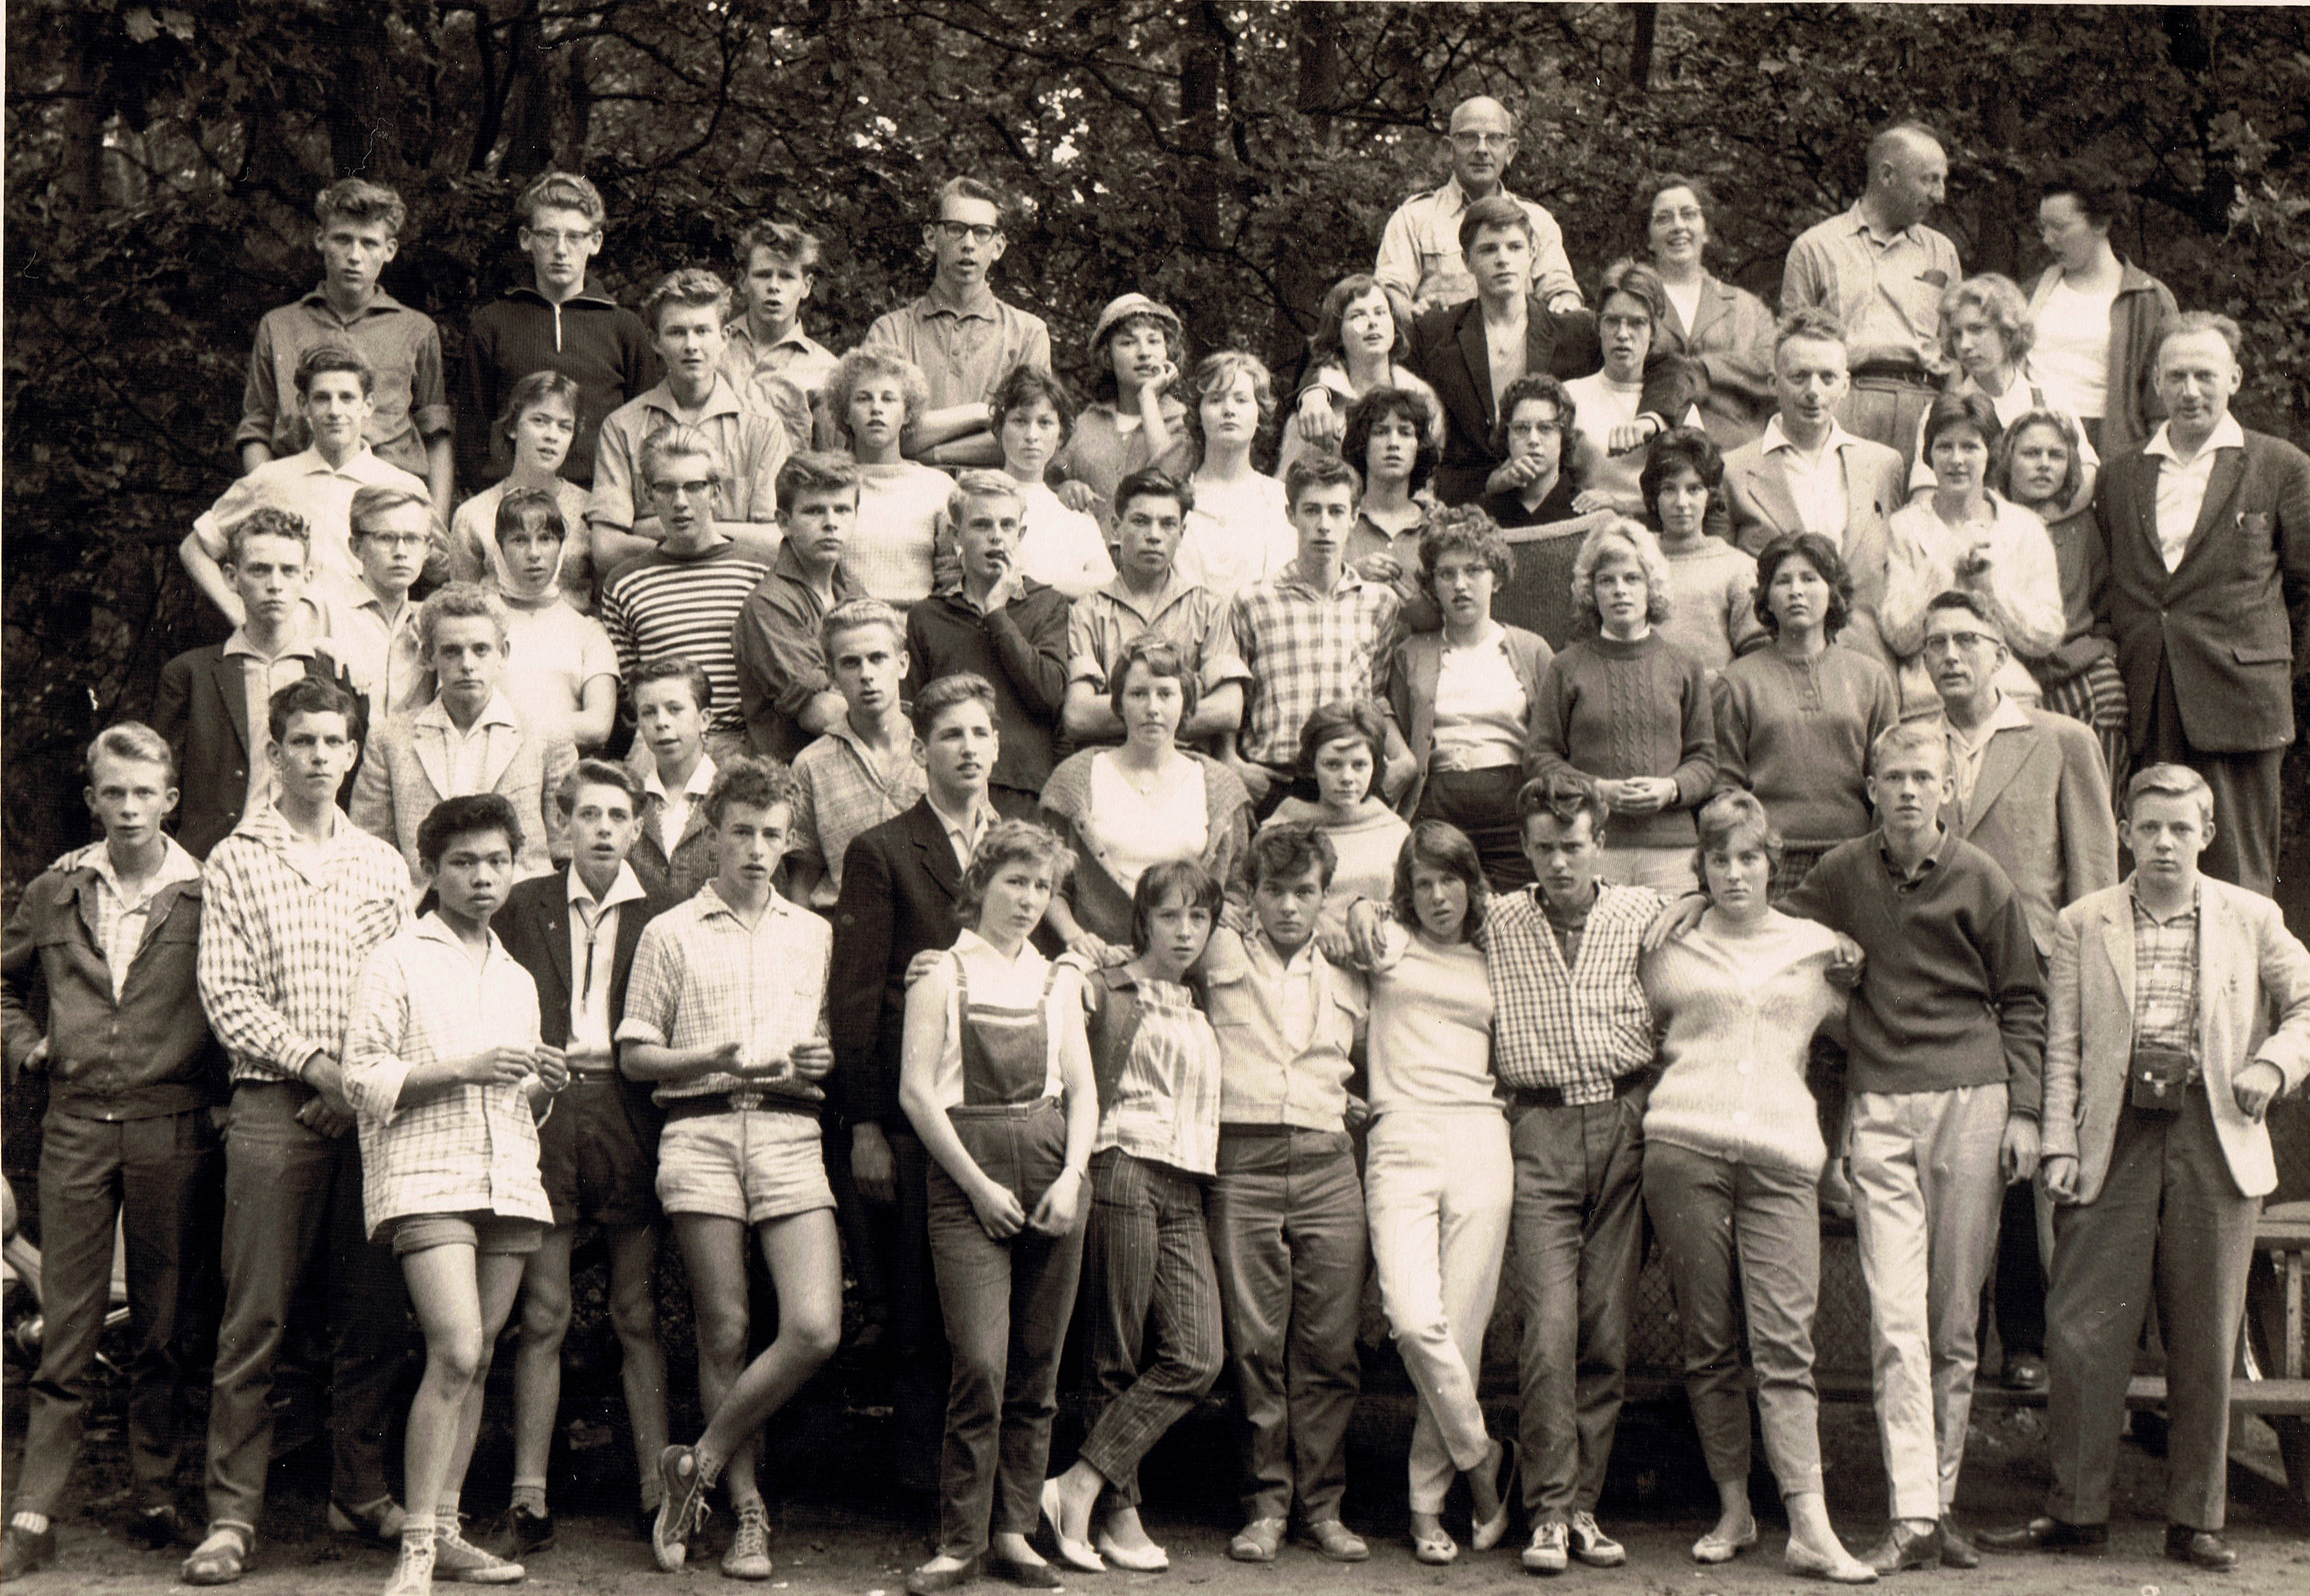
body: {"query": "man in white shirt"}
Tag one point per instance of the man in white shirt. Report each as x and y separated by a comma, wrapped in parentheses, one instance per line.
(2207, 529)
(1419, 251)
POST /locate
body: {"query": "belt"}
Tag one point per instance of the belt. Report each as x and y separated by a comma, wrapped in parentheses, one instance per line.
(1888, 371)
(1238, 1128)
(739, 1102)
(1552, 1097)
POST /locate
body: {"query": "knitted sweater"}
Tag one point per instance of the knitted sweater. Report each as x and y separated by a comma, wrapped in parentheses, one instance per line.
(1712, 611)
(1953, 994)
(1738, 1013)
(1798, 737)
(1616, 709)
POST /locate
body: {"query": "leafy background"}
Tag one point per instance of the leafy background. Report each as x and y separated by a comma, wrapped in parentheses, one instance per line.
(1231, 159)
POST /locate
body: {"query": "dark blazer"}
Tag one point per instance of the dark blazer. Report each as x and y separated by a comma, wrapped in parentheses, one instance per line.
(1448, 350)
(2232, 622)
(202, 710)
(535, 927)
(900, 889)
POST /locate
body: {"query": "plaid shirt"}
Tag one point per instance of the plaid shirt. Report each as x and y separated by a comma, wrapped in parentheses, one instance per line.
(700, 978)
(1303, 649)
(285, 929)
(838, 793)
(2166, 978)
(1577, 1029)
(121, 921)
(423, 1001)
(1193, 619)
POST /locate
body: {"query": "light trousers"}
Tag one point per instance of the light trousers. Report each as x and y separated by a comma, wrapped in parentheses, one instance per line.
(1439, 1186)
(1926, 1191)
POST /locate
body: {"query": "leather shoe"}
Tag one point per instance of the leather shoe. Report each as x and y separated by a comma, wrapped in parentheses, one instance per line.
(926, 1582)
(2202, 1548)
(2048, 1535)
(25, 1551)
(1956, 1551)
(156, 1527)
(2025, 1372)
(1033, 1577)
(1904, 1548)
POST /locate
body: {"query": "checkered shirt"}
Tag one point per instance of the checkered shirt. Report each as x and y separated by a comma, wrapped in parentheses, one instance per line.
(839, 795)
(1576, 1029)
(2166, 978)
(423, 1001)
(122, 922)
(700, 978)
(1304, 649)
(284, 931)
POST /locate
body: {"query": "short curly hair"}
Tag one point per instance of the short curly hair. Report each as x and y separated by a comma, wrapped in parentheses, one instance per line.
(1217, 372)
(1998, 299)
(1325, 345)
(1011, 842)
(1463, 529)
(751, 779)
(1386, 404)
(689, 287)
(1640, 541)
(1531, 386)
(357, 199)
(1160, 659)
(1726, 819)
(868, 362)
(469, 814)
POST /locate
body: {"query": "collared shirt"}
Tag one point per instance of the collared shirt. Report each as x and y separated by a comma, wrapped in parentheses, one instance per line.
(425, 1000)
(1908, 880)
(842, 790)
(1286, 1028)
(1024, 983)
(403, 348)
(749, 448)
(465, 754)
(1966, 749)
(593, 952)
(1165, 1102)
(262, 676)
(121, 919)
(1193, 619)
(964, 832)
(796, 363)
(1817, 484)
(308, 485)
(669, 812)
(703, 977)
(2182, 483)
(1887, 290)
(964, 352)
(1579, 1026)
(781, 662)
(1305, 649)
(285, 927)
(1419, 250)
(384, 656)
(2166, 975)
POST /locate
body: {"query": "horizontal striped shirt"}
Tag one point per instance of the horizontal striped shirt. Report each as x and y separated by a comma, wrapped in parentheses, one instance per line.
(285, 928)
(661, 602)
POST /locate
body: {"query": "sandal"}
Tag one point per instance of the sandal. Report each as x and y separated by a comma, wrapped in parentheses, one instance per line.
(222, 1557)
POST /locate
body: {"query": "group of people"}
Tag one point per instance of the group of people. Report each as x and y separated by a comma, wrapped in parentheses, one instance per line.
(1659, 759)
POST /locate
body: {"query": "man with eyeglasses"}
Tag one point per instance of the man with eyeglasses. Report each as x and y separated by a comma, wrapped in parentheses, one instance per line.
(552, 323)
(2030, 793)
(373, 630)
(1420, 252)
(684, 596)
(965, 340)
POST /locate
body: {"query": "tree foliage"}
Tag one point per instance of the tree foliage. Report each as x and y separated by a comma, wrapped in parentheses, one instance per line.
(1232, 159)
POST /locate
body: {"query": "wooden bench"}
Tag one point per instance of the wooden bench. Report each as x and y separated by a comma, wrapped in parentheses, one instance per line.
(2272, 1379)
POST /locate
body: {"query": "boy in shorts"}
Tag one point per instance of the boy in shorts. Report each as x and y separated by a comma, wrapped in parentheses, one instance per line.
(445, 1068)
(726, 1012)
(576, 933)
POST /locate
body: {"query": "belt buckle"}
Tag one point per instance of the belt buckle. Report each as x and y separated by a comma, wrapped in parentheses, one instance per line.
(744, 1098)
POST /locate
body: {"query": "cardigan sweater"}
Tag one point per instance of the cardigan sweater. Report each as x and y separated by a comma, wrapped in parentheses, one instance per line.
(1798, 736)
(1101, 906)
(1412, 694)
(1738, 1014)
(2143, 306)
(1952, 994)
(1616, 709)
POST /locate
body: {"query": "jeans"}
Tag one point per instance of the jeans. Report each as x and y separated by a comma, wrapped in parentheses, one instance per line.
(1710, 1211)
(1439, 1186)
(162, 1180)
(1578, 1234)
(1287, 1225)
(1926, 1188)
(1147, 1262)
(292, 1218)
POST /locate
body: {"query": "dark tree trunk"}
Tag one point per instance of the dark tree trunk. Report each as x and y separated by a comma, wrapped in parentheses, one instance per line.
(1640, 53)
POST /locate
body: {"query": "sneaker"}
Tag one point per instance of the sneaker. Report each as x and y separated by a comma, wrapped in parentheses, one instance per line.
(520, 1534)
(412, 1575)
(457, 1559)
(1546, 1554)
(25, 1551)
(682, 1510)
(749, 1556)
(1591, 1546)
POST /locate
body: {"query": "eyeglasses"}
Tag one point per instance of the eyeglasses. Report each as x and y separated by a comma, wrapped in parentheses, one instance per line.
(397, 540)
(552, 236)
(1952, 642)
(1632, 324)
(1534, 428)
(977, 232)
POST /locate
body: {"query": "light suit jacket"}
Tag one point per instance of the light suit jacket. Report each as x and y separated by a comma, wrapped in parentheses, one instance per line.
(2041, 808)
(406, 772)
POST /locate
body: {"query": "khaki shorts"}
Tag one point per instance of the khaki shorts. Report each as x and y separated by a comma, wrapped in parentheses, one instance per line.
(480, 1229)
(750, 1164)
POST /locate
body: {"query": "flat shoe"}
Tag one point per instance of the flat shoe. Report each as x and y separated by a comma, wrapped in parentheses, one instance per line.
(1713, 1548)
(927, 1582)
(1257, 1541)
(2201, 1547)
(1488, 1534)
(1034, 1576)
(1075, 1554)
(1812, 1565)
(1435, 1550)
(1153, 1560)
(2048, 1535)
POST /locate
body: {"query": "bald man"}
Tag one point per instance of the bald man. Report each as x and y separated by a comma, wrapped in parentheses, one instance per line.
(1880, 270)
(1420, 252)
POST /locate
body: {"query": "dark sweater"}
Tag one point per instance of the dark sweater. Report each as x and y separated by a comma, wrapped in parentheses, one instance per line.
(1953, 994)
(596, 343)
(1021, 649)
(1615, 709)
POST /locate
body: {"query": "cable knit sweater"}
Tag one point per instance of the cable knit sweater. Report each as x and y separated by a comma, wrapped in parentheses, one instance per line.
(1615, 709)
(1738, 1010)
